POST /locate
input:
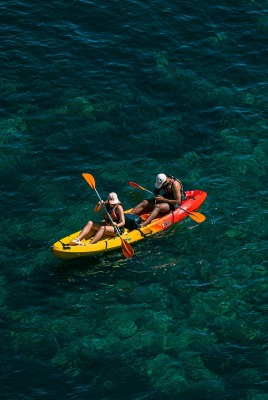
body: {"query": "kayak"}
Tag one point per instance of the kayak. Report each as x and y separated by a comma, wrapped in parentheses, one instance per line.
(63, 250)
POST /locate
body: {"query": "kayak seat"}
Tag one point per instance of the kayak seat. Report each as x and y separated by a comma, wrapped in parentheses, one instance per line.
(132, 221)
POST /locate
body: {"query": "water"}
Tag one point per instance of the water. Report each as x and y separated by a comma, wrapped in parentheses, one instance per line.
(125, 90)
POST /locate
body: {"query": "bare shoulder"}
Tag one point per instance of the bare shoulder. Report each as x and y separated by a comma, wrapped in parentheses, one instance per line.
(177, 185)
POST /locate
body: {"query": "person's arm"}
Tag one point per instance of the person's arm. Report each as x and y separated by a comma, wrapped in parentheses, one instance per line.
(177, 193)
(177, 196)
(121, 214)
(99, 206)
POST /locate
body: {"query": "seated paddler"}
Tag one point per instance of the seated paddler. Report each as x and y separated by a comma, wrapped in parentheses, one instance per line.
(116, 212)
(168, 195)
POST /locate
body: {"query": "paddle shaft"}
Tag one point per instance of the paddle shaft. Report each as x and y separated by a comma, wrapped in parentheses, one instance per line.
(149, 191)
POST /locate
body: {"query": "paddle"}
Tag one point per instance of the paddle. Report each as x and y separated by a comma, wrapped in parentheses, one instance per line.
(126, 248)
(196, 216)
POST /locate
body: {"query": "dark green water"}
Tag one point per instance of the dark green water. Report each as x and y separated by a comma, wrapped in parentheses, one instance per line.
(125, 90)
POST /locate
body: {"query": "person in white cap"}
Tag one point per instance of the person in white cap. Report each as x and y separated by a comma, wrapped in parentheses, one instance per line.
(115, 209)
(172, 195)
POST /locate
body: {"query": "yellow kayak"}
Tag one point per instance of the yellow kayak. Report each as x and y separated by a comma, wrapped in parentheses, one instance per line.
(193, 200)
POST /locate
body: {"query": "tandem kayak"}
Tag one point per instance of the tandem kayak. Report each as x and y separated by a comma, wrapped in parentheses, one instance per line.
(61, 249)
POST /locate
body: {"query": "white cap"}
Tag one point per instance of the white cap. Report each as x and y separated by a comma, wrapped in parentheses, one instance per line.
(113, 199)
(160, 179)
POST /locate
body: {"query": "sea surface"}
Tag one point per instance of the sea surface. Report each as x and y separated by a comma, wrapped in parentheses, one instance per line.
(125, 90)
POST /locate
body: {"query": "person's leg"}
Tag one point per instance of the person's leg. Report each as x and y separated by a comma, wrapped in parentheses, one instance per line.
(85, 231)
(90, 225)
(108, 230)
(160, 207)
(144, 207)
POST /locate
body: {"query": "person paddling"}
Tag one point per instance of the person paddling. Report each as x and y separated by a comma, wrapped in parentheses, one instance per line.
(172, 196)
(116, 212)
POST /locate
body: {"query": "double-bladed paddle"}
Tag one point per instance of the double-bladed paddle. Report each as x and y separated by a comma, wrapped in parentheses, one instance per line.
(196, 216)
(126, 248)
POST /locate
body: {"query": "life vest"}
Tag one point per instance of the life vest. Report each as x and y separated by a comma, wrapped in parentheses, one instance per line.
(112, 212)
(168, 191)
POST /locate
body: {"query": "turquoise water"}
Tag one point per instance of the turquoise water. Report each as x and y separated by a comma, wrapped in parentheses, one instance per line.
(125, 90)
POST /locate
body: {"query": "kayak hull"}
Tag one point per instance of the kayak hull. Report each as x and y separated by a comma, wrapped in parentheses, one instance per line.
(62, 250)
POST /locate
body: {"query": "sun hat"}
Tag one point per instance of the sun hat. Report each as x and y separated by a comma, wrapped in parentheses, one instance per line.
(160, 179)
(113, 199)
